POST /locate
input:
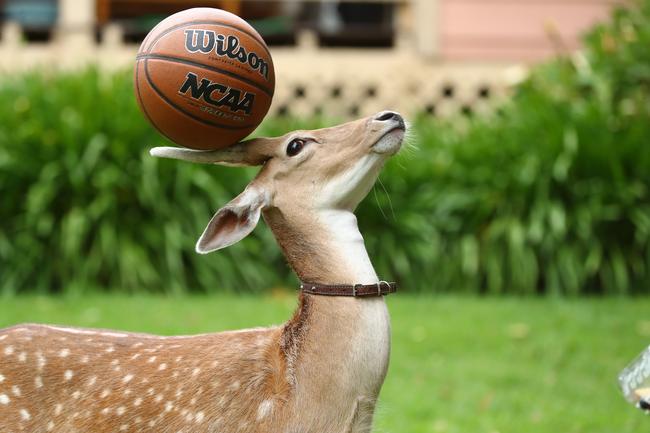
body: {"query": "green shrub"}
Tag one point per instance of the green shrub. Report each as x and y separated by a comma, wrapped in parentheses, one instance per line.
(85, 206)
(550, 196)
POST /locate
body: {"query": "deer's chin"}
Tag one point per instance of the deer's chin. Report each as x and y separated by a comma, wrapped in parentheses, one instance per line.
(390, 143)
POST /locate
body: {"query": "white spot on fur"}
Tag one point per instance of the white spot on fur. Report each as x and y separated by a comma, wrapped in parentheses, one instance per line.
(2, 337)
(136, 356)
(91, 381)
(24, 415)
(64, 353)
(196, 371)
(110, 349)
(127, 378)
(68, 374)
(38, 382)
(40, 360)
(2, 378)
(120, 410)
(22, 357)
(151, 359)
(106, 411)
(199, 417)
(58, 409)
(169, 406)
(76, 394)
(137, 402)
(234, 386)
(264, 409)
(85, 359)
(4, 399)
(158, 398)
(15, 390)
(124, 427)
(9, 350)
(50, 426)
(105, 393)
(151, 423)
(162, 366)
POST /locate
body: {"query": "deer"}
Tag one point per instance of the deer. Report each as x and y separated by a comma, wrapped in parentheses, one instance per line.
(320, 372)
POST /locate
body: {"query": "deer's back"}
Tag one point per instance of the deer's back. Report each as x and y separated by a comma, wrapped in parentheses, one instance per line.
(81, 380)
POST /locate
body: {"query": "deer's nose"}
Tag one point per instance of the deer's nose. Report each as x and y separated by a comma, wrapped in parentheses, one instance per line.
(391, 118)
(385, 116)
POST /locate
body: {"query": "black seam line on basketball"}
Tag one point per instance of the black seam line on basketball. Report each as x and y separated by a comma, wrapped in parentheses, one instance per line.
(209, 68)
(188, 114)
(261, 43)
(144, 109)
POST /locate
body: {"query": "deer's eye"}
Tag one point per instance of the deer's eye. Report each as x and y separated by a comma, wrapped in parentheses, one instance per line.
(295, 146)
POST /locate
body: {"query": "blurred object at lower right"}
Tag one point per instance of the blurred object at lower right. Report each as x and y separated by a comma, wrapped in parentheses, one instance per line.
(635, 381)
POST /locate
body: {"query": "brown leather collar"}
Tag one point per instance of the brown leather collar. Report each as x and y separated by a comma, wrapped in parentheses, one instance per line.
(380, 288)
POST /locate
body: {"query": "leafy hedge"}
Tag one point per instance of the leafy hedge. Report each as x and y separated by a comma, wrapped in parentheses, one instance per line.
(552, 195)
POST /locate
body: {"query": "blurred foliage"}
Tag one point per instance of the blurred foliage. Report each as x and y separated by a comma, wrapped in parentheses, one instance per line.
(551, 195)
(84, 205)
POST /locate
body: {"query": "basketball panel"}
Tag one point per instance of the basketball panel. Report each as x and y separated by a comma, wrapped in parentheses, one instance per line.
(179, 127)
(221, 47)
(206, 95)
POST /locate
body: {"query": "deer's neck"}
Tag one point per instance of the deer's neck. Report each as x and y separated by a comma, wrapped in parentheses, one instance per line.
(323, 246)
(326, 247)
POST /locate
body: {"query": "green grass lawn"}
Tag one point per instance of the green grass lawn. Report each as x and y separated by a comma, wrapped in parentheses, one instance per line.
(458, 364)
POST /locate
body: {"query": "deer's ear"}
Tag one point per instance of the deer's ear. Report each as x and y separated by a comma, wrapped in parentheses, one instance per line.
(251, 152)
(234, 221)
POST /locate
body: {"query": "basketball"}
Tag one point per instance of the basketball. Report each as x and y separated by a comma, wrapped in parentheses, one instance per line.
(204, 78)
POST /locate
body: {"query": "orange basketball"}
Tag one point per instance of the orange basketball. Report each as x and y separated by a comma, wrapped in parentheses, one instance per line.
(204, 78)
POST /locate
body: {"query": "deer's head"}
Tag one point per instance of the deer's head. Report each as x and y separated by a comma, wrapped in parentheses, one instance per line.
(331, 168)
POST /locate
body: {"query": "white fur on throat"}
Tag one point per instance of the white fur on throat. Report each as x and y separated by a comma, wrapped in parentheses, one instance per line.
(340, 227)
(346, 190)
(371, 343)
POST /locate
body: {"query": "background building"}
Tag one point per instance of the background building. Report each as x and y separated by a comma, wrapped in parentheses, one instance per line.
(333, 57)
